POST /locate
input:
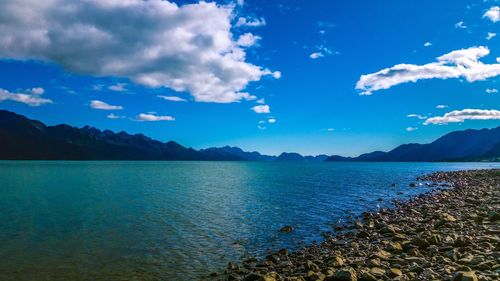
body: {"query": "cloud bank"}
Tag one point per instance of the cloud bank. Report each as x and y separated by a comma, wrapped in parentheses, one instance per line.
(458, 116)
(153, 43)
(31, 97)
(462, 63)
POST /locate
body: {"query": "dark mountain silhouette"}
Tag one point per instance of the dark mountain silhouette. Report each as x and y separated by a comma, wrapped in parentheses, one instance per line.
(238, 153)
(292, 156)
(23, 138)
(468, 145)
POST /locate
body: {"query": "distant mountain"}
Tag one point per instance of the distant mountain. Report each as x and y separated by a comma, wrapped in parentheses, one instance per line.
(295, 157)
(22, 138)
(237, 153)
(468, 145)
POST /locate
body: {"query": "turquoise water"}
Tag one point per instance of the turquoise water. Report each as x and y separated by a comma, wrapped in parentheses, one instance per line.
(178, 220)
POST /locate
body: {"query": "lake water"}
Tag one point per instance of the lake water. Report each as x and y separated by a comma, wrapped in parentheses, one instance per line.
(178, 220)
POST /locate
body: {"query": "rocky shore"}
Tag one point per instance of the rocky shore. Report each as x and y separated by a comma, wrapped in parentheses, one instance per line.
(450, 233)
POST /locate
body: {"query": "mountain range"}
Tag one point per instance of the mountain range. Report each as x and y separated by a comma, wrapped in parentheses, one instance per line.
(23, 138)
(467, 145)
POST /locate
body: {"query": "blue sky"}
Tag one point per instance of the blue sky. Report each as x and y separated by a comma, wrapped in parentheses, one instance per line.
(313, 77)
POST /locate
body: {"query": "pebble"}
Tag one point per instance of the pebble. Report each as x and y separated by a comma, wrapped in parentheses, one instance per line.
(448, 233)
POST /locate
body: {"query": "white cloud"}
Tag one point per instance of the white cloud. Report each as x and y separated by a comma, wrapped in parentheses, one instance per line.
(36, 91)
(113, 116)
(148, 117)
(97, 104)
(276, 74)
(316, 55)
(261, 109)
(491, 91)
(172, 98)
(493, 14)
(271, 120)
(248, 40)
(490, 35)
(462, 63)
(410, 129)
(322, 51)
(261, 127)
(458, 116)
(187, 48)
(440, 106)
(30, 97)
(251, 22)
(330, 129)
(120, 87)
(261, 101)
(427, 44)
(240, 2)
(460, 25)
(262, 122)
(416, 116)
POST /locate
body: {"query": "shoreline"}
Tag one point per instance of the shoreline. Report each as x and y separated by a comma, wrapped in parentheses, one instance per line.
(443, 234)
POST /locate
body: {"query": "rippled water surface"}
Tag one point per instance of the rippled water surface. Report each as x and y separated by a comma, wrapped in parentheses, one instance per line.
(177, 220)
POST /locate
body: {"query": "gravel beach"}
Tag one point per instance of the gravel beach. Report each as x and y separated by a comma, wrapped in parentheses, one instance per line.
(449, 233)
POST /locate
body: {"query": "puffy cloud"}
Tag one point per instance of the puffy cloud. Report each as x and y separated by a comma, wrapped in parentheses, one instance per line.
(113, 116)
(97, 104)
(172, 98)
(410, 129)
(271, 120)
(427, 44)
(493, 14)
(276, 74)
(150, 117)
(30, 97)
(120, 87)
(251, 22)
(36, 91)
(440, 106)
(457, 116)
(416, 116)
(491, 91)
(462, 63)
(261, 109)
(248, 40)
(261, 101)
(316, 55)
(490, 35)
(153, 43)
(460, 25)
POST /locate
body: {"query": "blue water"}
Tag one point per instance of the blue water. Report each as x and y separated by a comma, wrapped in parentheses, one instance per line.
(178, 220)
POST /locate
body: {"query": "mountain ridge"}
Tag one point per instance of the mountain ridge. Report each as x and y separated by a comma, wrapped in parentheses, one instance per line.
(22, 138)
(481, 145)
